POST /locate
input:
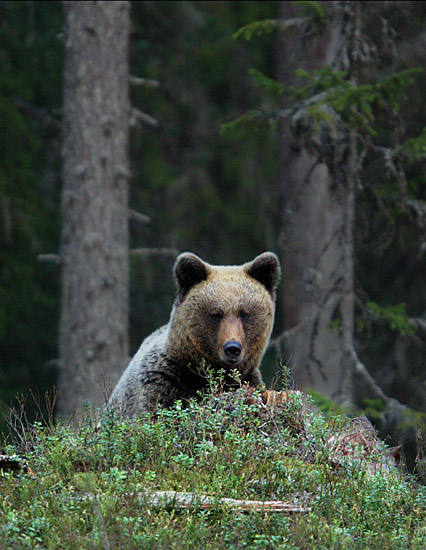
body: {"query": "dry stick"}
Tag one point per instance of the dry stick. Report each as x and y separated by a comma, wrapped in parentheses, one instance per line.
(138, 116)
(190, 500)
(138, 217)
(45, 258)
(139, 81)
(185, 500)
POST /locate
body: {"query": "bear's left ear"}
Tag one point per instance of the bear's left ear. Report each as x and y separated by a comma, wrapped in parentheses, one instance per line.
(265, 269)
(189, 270)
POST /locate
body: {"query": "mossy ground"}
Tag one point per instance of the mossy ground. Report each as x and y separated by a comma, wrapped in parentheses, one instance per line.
(83, 486)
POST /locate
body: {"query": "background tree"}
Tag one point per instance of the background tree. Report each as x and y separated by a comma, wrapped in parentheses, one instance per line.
(335, 131)
(93, 332)
(317, 181)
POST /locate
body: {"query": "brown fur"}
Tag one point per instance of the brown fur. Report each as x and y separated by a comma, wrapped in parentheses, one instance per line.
(215, 305)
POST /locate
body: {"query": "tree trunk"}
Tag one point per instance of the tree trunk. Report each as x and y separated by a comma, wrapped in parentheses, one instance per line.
(318, 207)
(94, 238)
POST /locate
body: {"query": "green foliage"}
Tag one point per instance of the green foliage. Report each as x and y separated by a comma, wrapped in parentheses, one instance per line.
(376, 405)
(89, 488)
(258, 28)
(254, 120)
(312, 9)
(313, 14)
(357, 105)
(267, 84)
(395, 316)
(392, 88)
(326, 405)
(415, 148)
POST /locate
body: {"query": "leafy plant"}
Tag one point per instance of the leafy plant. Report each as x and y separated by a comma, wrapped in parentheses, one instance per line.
(86, 488)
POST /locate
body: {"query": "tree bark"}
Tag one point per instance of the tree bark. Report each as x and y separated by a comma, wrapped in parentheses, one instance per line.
(317, 212)
(93, 337)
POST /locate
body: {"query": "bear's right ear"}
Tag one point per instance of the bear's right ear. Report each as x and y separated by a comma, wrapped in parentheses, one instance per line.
(189, 270)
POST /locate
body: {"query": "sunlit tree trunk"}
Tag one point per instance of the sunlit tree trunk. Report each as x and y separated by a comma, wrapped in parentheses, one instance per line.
(94, 239)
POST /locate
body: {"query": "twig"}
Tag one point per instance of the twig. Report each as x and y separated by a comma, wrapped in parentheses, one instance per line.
(148, 82)
(46, 258)
(275, 342)
(42, 116)
(138, 217)
(139, 116)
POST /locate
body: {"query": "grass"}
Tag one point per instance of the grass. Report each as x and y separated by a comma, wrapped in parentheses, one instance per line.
(85, 487)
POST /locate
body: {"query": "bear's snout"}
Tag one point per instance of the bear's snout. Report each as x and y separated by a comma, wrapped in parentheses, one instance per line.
(232, 350)
(231, 339)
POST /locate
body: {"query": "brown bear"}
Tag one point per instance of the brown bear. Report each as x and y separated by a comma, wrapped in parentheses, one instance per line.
(222, 319)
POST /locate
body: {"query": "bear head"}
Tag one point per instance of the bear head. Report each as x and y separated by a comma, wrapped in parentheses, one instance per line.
(223, 314)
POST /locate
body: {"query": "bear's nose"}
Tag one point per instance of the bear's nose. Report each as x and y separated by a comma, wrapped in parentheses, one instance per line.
(232, 349)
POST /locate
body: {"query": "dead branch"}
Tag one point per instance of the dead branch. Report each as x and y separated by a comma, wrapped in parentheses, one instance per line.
(147, 82)
(46, 258)
(366, 376)
(278, 340)
(42, 116)
(419, 325)
(138, 217)
(185, 500)
(138, 116)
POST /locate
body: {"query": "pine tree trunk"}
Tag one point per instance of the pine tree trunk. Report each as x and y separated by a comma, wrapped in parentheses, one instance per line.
(94, 239)
(318, 209)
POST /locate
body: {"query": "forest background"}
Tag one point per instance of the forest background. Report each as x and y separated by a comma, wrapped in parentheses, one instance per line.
(219, 194)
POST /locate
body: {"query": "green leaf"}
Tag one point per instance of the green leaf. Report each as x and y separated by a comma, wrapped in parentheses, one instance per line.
(312, 9)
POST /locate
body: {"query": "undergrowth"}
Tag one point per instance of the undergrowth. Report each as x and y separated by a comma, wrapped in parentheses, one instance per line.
(90, 487)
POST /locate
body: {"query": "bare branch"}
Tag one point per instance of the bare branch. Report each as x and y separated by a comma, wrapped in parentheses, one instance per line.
(419, 325)
(138, 217)
(46, 258)
(278, 340)
(42, 116)
(138, 116)
(148, 252)
(363, 372)
(148, 82)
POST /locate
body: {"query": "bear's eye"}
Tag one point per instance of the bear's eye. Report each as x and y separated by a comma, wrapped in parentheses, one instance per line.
(244, 315)
(216, 315)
